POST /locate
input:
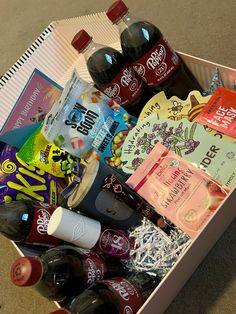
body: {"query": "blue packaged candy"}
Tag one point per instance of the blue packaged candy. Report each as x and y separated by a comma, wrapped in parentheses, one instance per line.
(85, 120)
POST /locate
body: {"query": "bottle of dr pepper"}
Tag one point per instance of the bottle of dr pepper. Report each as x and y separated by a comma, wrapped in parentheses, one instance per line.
(112, 74)
(26, 221)
(151, 56)
(113, 296)
(64, 271)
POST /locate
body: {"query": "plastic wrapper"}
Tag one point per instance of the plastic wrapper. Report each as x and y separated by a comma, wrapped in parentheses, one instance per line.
(22, 181)
(172, 186)
(215, 83)
(85, 120)
(38, 152)
(187, 139)
(176, 109)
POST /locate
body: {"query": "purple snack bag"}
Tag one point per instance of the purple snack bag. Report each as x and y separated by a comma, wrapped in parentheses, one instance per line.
(19, 180)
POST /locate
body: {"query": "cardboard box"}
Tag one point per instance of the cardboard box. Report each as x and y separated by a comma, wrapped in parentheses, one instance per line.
(53, 55)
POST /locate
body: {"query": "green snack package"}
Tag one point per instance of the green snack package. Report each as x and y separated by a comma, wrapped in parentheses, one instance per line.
(38, 152)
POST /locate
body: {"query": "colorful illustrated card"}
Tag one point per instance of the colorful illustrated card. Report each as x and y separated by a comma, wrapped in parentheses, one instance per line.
(187, 139)
(174, 108)
(36, 99)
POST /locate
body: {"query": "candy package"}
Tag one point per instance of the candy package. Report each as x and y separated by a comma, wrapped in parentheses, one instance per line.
(38, 152)
(220, 112)
(173, 185)
(85, 120)
(22, 181)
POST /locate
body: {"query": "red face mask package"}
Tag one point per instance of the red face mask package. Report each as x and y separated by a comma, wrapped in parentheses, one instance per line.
(219, 113)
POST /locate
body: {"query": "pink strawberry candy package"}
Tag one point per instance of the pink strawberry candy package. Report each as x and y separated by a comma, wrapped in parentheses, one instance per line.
(178, 190)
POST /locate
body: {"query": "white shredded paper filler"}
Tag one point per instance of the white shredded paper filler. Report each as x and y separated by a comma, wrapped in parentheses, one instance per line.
(154, 251)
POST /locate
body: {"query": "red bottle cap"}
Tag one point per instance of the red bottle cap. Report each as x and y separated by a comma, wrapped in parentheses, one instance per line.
(26, 271)
(116, 10)
(81, 40)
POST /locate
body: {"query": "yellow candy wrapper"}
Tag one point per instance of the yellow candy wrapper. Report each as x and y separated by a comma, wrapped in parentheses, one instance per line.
(38, 152)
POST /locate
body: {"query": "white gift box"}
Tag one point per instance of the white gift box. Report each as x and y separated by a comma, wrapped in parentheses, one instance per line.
(53, 55)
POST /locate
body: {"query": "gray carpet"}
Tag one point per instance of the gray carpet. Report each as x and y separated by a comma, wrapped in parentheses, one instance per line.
(202, 28)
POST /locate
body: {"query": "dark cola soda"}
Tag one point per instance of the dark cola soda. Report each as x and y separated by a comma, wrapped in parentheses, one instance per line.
(114, 296)
(150, 54)
(26, 221)
(63, 271)
(112, 74)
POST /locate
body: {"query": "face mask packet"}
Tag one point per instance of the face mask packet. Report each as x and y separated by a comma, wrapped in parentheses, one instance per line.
(219, 112)
(84, 120)
(38, 152)
(22, 181)
(184, 194)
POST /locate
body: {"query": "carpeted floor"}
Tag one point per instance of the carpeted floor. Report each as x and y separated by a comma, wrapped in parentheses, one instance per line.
(206, 29)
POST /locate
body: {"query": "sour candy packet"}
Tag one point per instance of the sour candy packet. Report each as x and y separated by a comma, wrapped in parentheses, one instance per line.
(172, 186)
(85, 120)
(38, 152)
(22, 181)
(220, 112)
